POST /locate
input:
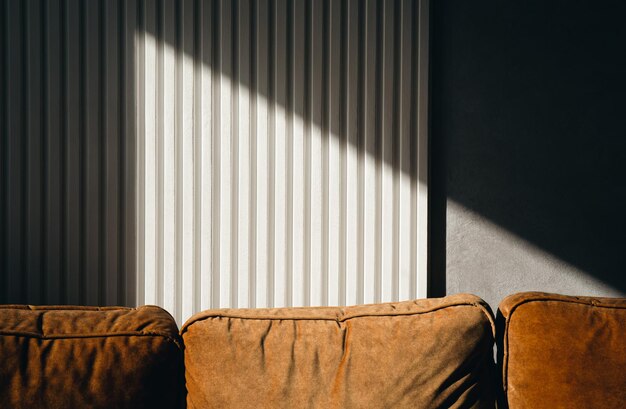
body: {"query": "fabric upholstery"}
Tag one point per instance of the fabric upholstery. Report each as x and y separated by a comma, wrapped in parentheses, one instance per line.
(434, 353)
(562, 352)
(89, 357)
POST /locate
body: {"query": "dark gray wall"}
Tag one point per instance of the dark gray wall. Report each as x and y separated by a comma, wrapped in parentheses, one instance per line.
(67, 152)
(528, 147)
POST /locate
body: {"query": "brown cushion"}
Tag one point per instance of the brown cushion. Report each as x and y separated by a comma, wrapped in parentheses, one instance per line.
(420, 354)
(89, 357)
(563, 352)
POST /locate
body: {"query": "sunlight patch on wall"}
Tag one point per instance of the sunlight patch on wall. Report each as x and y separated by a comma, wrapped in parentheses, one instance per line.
(281, 153)
(506, 262)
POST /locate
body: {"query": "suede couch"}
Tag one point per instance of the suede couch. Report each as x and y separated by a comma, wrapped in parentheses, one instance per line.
(553, 352)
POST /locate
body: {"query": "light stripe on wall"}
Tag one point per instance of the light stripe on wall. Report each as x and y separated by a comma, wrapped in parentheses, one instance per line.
(281, 153)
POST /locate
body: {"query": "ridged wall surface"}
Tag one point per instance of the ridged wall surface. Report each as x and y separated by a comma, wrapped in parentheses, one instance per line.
(197, 154)
(67, 151)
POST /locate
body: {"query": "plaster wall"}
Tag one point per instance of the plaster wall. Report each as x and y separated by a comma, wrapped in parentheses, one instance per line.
(528, 148)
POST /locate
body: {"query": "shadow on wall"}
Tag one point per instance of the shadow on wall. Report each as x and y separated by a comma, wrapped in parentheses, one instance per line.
(67, 153)
(528, 130)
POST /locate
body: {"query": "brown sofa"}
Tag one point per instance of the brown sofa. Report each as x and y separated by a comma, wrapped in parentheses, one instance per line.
(558, 351)
(554, 352)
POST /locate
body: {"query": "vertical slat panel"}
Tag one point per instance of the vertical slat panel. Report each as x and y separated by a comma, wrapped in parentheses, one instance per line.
(54, 220)
(187, 158)
(4, 159)
(216, 148)
(298, 154)
(206, 159)
(262, 155)
(280, 154)
(167, 214)
(226, 155)
(73, 80)
(405, 147)
(420, 177)
(389, 244)
(140, 129)
(16, 137)
(316, 101)
(110, 167)
(35, 141)
(334, 172)
(128, 143)
(92, 23)
(369, 155)
(243, 153)
(149, 155)
(199, 154)
(350, 147)
(271, 150)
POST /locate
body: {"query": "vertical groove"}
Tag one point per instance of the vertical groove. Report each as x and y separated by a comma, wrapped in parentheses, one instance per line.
(44, 105)
(215, 135)
(197, 116)
(178, 291)
(13, 146)
(289, 155)
(65, 154)
(343, 129)
(121, 261)
(4, 166)
(378, 146)
(102, 219)
(160, 162)
(421, 151)
(24, 282)
(253, 154)
(140, 151)
(360, 284)
(396, 135)
(130, 215)
(325, 149)
(306, 296)
(234, 109)
(413, 130)
(272, 151)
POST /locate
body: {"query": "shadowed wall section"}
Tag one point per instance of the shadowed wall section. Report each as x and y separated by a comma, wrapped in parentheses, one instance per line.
(528, 147)
(197, 154)
(67, 152)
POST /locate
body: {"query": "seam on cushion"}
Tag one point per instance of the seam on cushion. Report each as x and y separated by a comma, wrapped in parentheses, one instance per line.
(490, 317)
(67, 308)
(398, 314)
(86, 308)
(505, 354)
(27, 334)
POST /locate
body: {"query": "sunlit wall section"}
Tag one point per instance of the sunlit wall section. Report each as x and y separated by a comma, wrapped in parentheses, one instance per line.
(281, 153)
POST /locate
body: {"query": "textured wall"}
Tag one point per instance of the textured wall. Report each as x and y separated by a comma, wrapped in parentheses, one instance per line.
(528, 147)
(67, 137)
(278, 154)
(197, 154)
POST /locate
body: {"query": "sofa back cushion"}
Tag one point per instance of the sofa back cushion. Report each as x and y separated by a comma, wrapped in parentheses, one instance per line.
(420, 354)
(563, 352)
(89, 357)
